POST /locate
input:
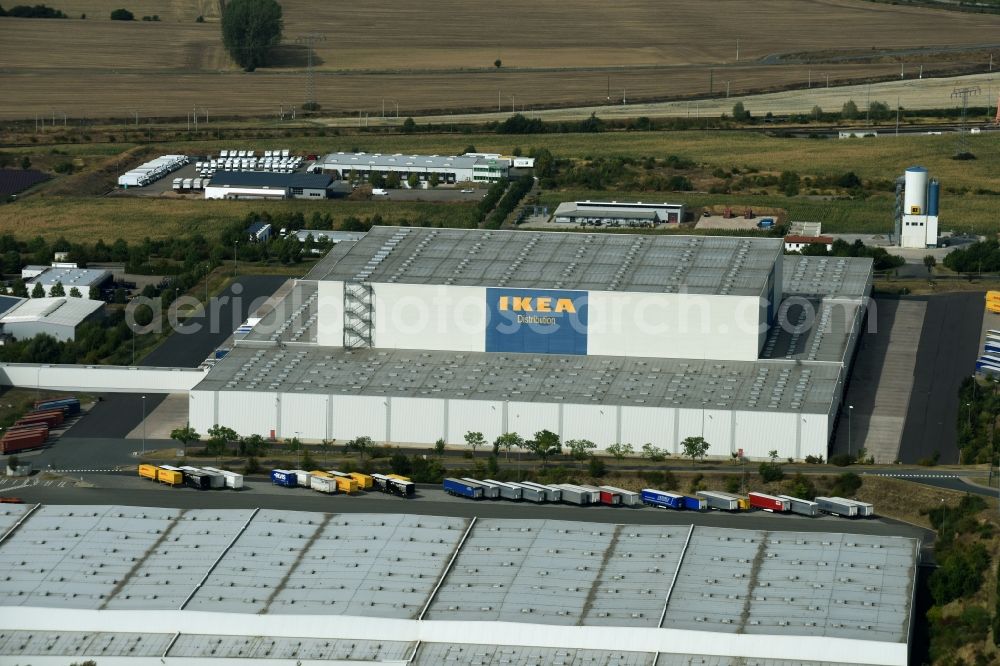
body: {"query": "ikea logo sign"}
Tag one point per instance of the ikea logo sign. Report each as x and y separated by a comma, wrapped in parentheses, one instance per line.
(534, 321)
(540, 304)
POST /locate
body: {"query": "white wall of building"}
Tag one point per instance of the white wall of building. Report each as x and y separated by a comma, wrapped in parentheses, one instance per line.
(244, 193)
(407, 420)
(100, 378)
(919, 231)
(454, 318)
(330, 311)
(673, 325)
(785, 648)
(413, 316)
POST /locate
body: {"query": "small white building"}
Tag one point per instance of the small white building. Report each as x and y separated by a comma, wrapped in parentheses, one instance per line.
(68, 276)
(795, 243)
(618, 213)
(58, 317)
(917, 226)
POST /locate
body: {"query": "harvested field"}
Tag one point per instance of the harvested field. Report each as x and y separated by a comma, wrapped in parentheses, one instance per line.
(440, 56)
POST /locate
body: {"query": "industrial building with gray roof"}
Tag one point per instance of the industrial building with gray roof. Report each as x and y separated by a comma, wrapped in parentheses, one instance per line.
(197, 584)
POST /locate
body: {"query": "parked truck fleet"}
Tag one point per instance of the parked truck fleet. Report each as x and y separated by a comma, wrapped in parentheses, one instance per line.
(703, 500)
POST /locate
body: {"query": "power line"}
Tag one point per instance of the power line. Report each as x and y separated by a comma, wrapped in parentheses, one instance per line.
(310, 40)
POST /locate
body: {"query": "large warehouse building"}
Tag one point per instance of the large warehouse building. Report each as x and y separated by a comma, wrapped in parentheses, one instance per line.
(143, 585)
(448, 168)
(410, 335)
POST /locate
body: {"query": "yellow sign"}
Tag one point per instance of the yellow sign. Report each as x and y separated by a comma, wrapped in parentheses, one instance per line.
(539, 304)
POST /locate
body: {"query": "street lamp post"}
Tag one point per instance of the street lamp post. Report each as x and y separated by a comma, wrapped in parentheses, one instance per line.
(143, 425)
(850, 412)
(236, 244)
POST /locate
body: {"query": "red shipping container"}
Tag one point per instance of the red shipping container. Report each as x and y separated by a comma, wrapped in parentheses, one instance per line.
(768, 502)
(55, 412)
(51, 418)
(16, 442)
(18, 427)
(610, 497)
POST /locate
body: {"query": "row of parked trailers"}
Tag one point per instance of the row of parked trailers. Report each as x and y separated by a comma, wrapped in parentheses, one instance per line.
(583, 495)
(202, 478)
(190, 183)
(271, 164)
(31, 431)
(152, 171)
(332, 481)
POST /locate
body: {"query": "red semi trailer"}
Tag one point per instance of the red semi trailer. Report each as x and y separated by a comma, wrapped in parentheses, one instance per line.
(22, 441)
(769, 502)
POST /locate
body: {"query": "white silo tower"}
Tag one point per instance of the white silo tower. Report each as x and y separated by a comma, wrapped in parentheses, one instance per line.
(919, 227)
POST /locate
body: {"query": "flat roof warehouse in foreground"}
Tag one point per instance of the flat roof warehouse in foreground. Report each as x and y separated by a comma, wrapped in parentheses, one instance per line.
(411, 335)
(388, 587)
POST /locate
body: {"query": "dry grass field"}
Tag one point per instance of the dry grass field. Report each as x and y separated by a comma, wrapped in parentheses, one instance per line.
(439, 56)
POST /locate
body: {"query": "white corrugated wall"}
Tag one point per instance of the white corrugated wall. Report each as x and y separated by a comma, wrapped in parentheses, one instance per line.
(417, 316)
(356, 415)
(598, 423)
(305, 414)
(690, 423)
(652, 425)
(719, 431)
(201, 410)
(330, 311)
(527, 418)
(249, 412)
(813, 435)
(417, 420)
(485, 416)
(758, 433)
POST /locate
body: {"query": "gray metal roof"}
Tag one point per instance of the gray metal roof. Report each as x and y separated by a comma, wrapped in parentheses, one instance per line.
(712, 660)
(849, 277)
(837, 585)
(81, 278)
(560, 260)
(814, 329)
(310, 181)
(332, 236)
(435, 654)
(557, 572)
(293, 319)
(378, 160)
(387, 565)
(326, 564)
(58, 310)
(8, 302)
(648, 382)
(201, 646)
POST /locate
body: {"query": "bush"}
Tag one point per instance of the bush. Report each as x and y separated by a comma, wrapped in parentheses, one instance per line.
(841, 460)
(814, 460)
(802, 487)
(959, 573)
(771, 472)
(732, 484)
(596, 467)
(846, 485)
(697, 483)
(33, 11)
(122, 15)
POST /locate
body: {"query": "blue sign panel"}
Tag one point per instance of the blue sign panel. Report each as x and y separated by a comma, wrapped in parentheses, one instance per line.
(536, 321)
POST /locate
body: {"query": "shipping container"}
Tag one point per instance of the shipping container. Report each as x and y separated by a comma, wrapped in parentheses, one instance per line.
(28, 428)
(662, 498)
(365, 481)
(695, 503)
(462, 488)
(345, 482)
(720, 501)
(801, 506)
(197, 480)
(528, 493)
(489, 490)
(302, 477)
(552, 493)
(15, 442)
(865, 510)
(628, 498)
(215, 479)
(393, 485)
(573, 495)
(51, 417)
(148, 472)
(323, 484)
(71, 405)
(508, 490)
(233, 480)
(169, 475)
(593, 493)
(837, 507)
(282, 477)
(771, 503)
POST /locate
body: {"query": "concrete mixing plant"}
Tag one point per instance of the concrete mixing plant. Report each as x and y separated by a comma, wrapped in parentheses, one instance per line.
(917, 199)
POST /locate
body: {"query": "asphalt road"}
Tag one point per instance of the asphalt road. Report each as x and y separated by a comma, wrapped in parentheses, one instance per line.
(114, 416)
(946, 355)
(191, 343)
(433, 502)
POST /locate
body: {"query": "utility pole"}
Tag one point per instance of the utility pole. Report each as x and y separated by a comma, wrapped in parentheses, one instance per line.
(711, 80)
(810, 84)
(868, 104)
(737, 50)
(727, 89)
(309, 41)
(964, 94)
(897, 115)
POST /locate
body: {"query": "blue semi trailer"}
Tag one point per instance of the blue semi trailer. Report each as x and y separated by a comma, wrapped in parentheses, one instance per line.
(462, 488)
(695, 503)
(662, 499)
(282, 477)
